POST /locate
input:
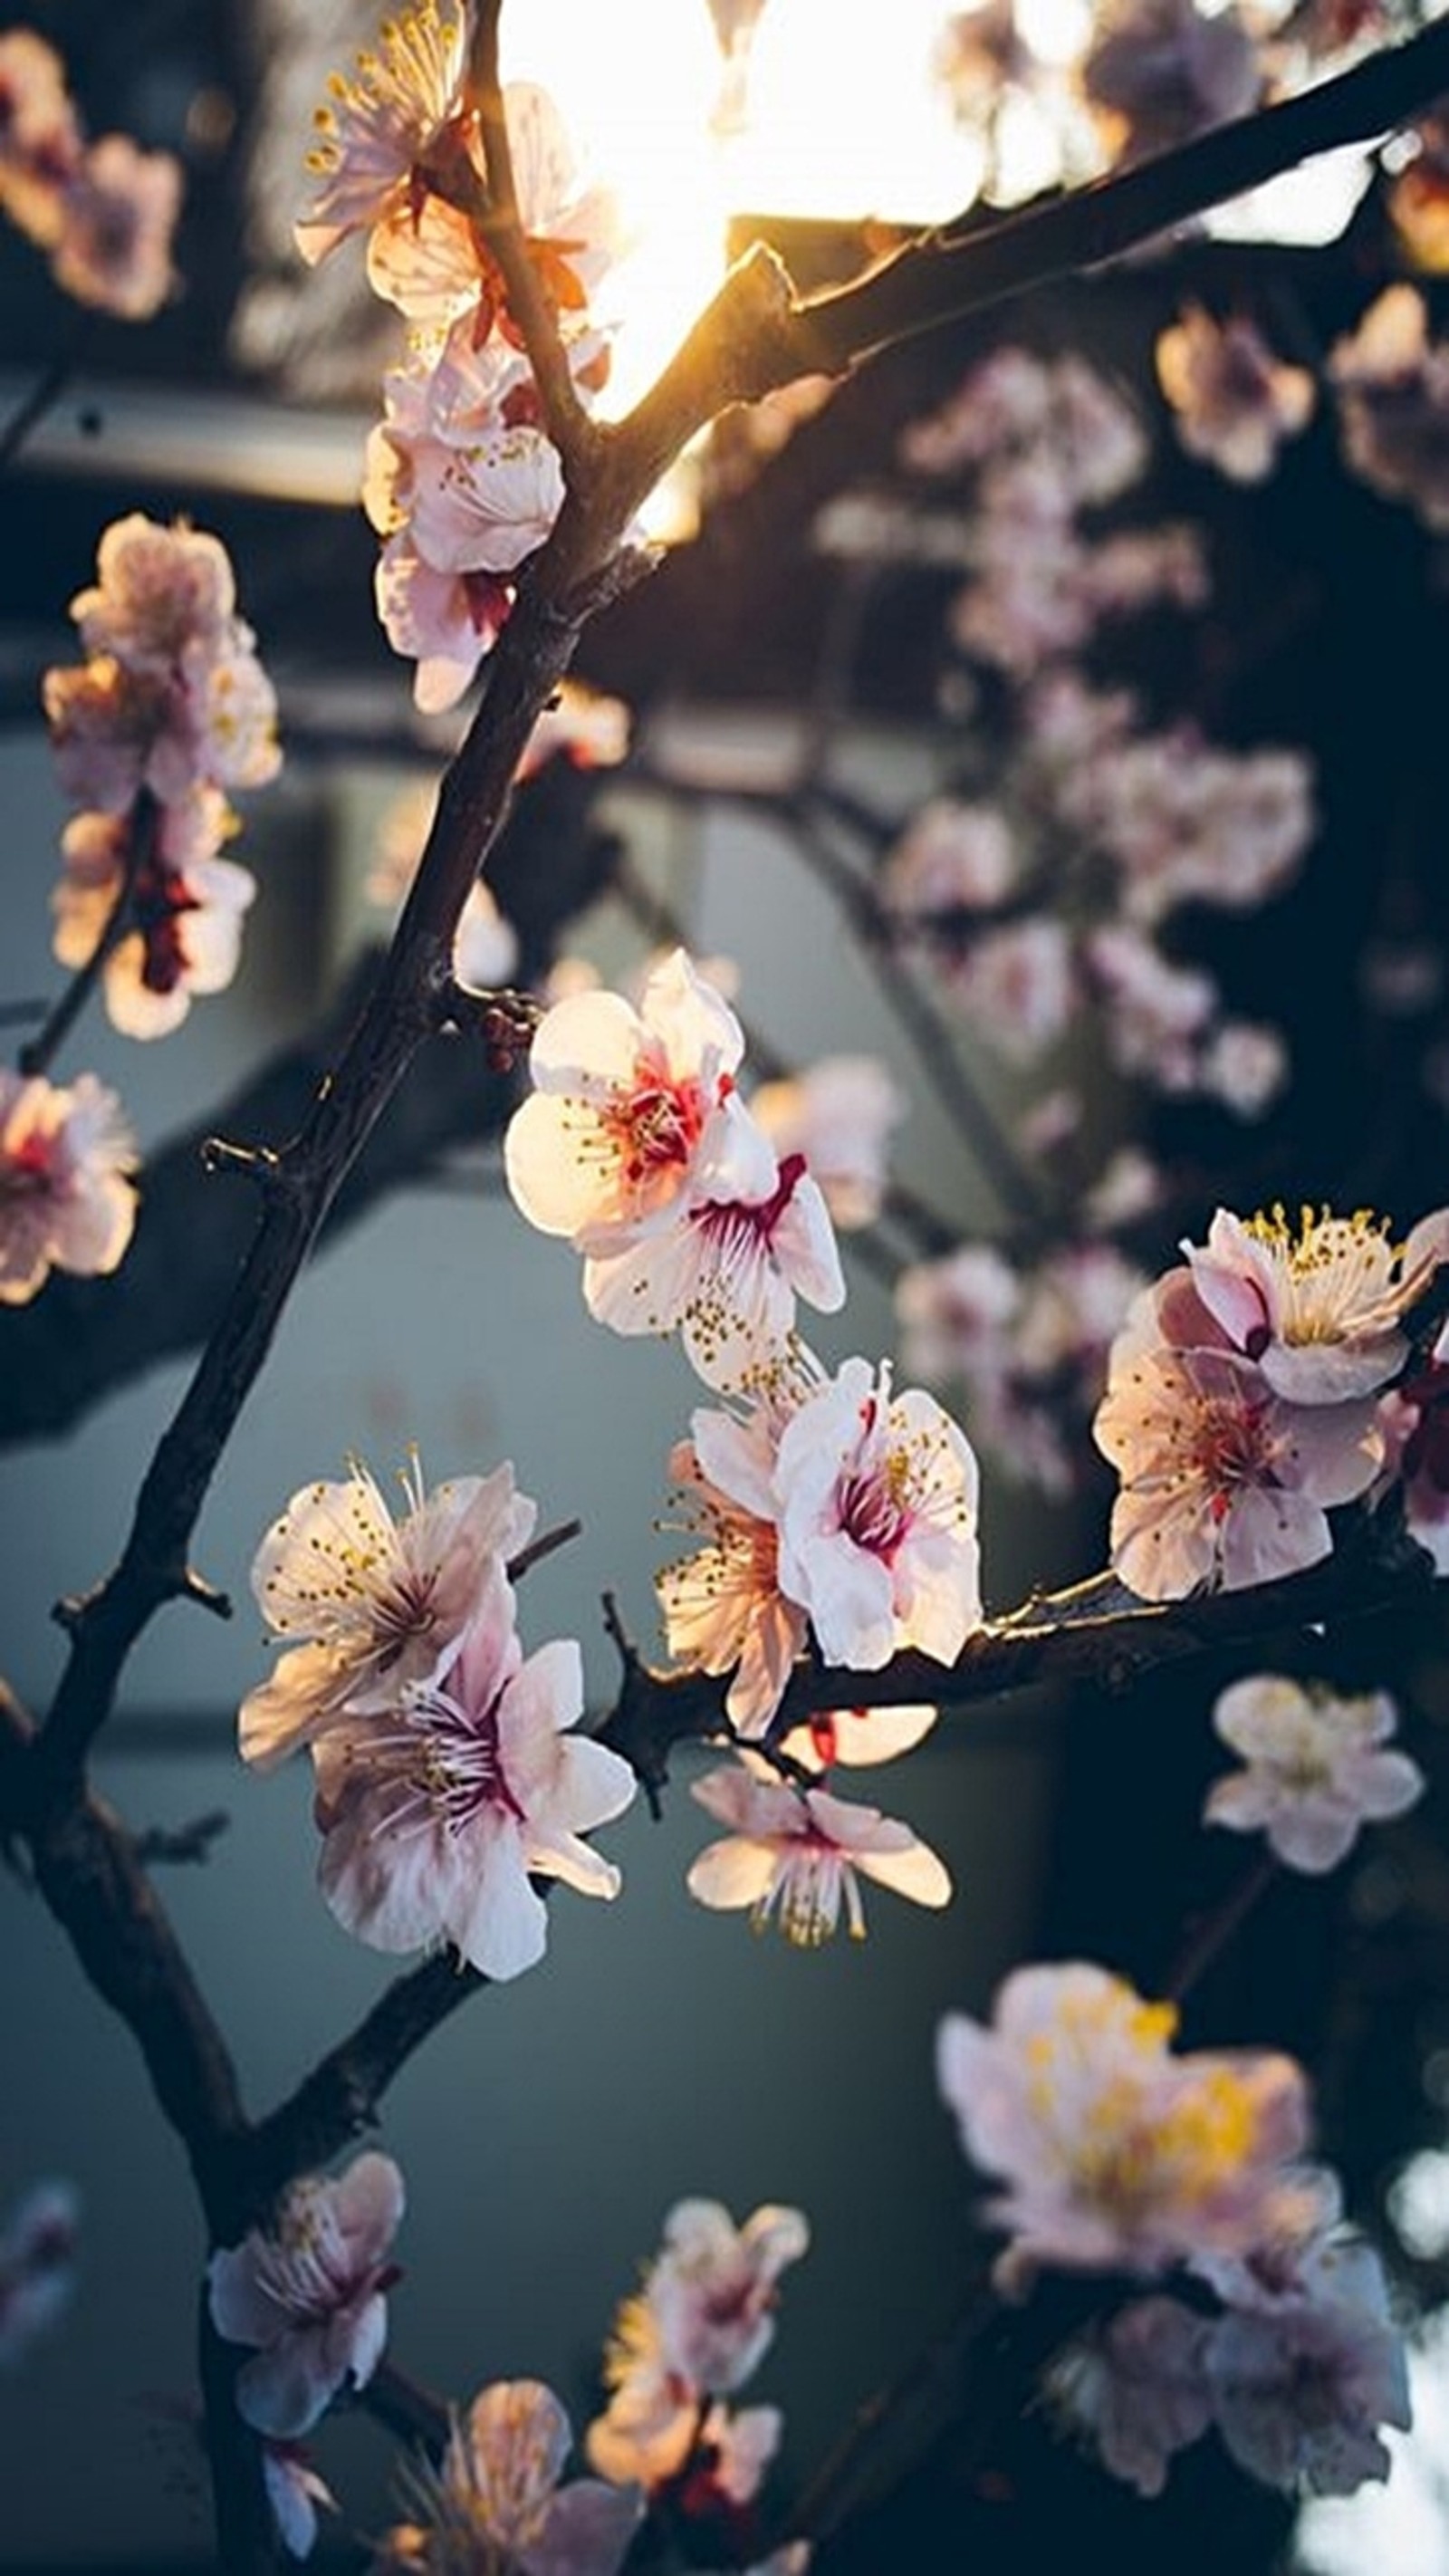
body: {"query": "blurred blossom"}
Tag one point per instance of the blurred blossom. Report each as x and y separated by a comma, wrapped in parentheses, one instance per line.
(1154, 1011)
(67, 1199)
(104, 211)
(296, 2490)
(1302, 2382)
(1244, 1065)
(1017, 987)
(953, 1311)
(1316, 1768)
(951, 857)
(1187, 821)
(1234, 401)
(1161, 72)
(37, 2258)
(1393, 396)
(1137, 2388)
(1128, 1186)
(1116, 2155)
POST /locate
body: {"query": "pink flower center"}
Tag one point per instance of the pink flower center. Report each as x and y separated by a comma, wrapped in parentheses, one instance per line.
(656, 1125)
(1230, 1447)
(462, 1761)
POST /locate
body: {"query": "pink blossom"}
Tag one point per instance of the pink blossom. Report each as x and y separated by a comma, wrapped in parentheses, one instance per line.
(797, 1854)
(310, 2294)
(838, 1114)
(1235, 402)
(120, 208)
(157, 591)
(952, 857)
(1017, 987)
(634, 1119)
(1315, 1772)
(184, 936)
(437, 1813)
(1301, 2383)
(1223, 1482)
(1393, 392)
(877, 1518)
(954, 1313)
(37, 2251)
(1137, 2388)
(378, 126)
(1154, 1011)
(1319, 1307)
(497, 2500)
(727, 1275)
(445, 622)
(1117, 2155)
(1187, 821)
(40, 142)
(712, 2289)
(723, 1607)
(1414, 1422)
(1161, 72)
(67, 1201)
(1244, 1065)
(379, 1603)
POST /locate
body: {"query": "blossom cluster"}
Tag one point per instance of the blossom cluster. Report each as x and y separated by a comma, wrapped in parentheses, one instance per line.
(37, 2266)
(446, 1776)
(170, 709)
(682, 2347)
(1120, 2156)
(1054, 895)
(463, 482)
(1245, 1395)
(105, 211)
(834, 1509)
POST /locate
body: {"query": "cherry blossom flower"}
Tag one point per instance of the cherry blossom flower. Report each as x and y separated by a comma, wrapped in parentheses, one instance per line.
(838, 1114)
(723, 1607)
(379, 1604)
(120, 210)
(799, 1854)
(157, 590)
(1161, 72)
(1154, 1011)
(37, 2253)
(1244, 1065)
(433, 260)
(377, 127)
(40, 141)
(1301, 2382)
(1138, 2389)
(310, 2294)
(497, 2501)
(67, 1201)
(877, 1519)
(727, 1275)
(1017, 986)
(696, 2330)
(1393, 392)
(1223, 1483)
(436, 1814)
(1234, 401)
(634, 1119)
(1187, 821)
(953, 1313)
(1318, 1308)
(1117, 2155)
(952, 857)
(184, 938)
(1315, 1771)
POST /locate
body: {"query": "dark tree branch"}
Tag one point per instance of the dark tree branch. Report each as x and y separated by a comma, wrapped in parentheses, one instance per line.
(1096, 1632)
